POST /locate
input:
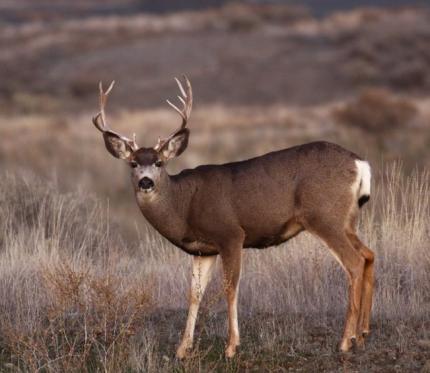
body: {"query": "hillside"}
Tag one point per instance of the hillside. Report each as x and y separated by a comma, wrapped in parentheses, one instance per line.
(271, 54)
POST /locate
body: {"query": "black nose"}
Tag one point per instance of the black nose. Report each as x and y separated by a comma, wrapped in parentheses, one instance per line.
(146, 183)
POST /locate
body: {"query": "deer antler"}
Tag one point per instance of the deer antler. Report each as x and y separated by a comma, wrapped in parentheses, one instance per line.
(187, 103)
(99, 120)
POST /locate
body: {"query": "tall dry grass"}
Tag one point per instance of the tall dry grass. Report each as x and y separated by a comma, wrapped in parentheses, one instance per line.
(75, 297)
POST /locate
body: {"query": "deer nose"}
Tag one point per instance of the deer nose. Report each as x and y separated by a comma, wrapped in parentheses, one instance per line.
(146, 183)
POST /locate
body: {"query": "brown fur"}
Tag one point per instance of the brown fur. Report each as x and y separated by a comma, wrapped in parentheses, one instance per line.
(270, 198)
(145, 156)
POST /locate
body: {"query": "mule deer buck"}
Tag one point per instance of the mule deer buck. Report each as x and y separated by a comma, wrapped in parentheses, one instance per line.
(220, 209)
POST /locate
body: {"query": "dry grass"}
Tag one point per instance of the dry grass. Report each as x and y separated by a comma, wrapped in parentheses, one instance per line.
(88, 323)
(75, 298)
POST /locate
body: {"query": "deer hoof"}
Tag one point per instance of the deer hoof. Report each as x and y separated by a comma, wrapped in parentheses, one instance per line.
(346, 344)
(182, 351)
(230, 351)
(359, 342)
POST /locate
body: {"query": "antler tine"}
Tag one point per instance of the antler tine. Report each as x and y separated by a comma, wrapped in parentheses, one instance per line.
(100, 119)
(188, 95)
(181, 99)
(180, 112)
(178, 82)
(101, 116)
(186, 100)
(103, 100)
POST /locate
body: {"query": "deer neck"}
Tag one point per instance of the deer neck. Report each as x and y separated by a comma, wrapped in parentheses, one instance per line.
(166, 209)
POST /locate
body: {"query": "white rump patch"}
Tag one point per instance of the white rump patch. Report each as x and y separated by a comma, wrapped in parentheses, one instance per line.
(361, 186)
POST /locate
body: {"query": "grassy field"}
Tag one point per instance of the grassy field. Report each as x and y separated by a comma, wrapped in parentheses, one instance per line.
(76, 297)
(87, 285)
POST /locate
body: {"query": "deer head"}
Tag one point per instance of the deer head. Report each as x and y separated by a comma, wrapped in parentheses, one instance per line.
(147, 164)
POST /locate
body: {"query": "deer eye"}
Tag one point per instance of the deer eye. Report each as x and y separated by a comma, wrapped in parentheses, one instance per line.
(133, 164)
(158, 163)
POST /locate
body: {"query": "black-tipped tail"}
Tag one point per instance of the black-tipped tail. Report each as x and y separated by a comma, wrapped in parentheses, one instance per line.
(362, 200)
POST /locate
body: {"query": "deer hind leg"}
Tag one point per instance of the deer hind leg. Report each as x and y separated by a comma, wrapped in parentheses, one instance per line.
(363, 328)
(353, 264)
(202, 272)
(231, 260)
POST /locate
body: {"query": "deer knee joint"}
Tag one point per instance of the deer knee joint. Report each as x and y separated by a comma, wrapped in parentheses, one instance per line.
(368, 255)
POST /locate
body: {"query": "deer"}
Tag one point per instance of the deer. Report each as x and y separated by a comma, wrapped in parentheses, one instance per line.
(219, 210)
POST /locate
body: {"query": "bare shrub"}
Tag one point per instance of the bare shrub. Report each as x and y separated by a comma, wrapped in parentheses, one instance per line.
(376, 111)
(89, 323)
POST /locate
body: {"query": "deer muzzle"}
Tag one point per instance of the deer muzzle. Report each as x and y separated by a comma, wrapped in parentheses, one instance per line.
(146, 184)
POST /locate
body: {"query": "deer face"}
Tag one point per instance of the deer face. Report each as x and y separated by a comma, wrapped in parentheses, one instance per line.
(147, 164)
(148, 171)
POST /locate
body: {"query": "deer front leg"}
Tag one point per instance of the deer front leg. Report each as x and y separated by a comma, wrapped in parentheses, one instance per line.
(231, 260)
(202, 271)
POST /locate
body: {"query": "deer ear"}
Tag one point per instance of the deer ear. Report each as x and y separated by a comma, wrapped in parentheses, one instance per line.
(176, 145)
(117, 146)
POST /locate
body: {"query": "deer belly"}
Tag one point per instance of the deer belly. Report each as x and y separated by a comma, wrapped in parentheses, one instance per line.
(198, 248)
(256, 239)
